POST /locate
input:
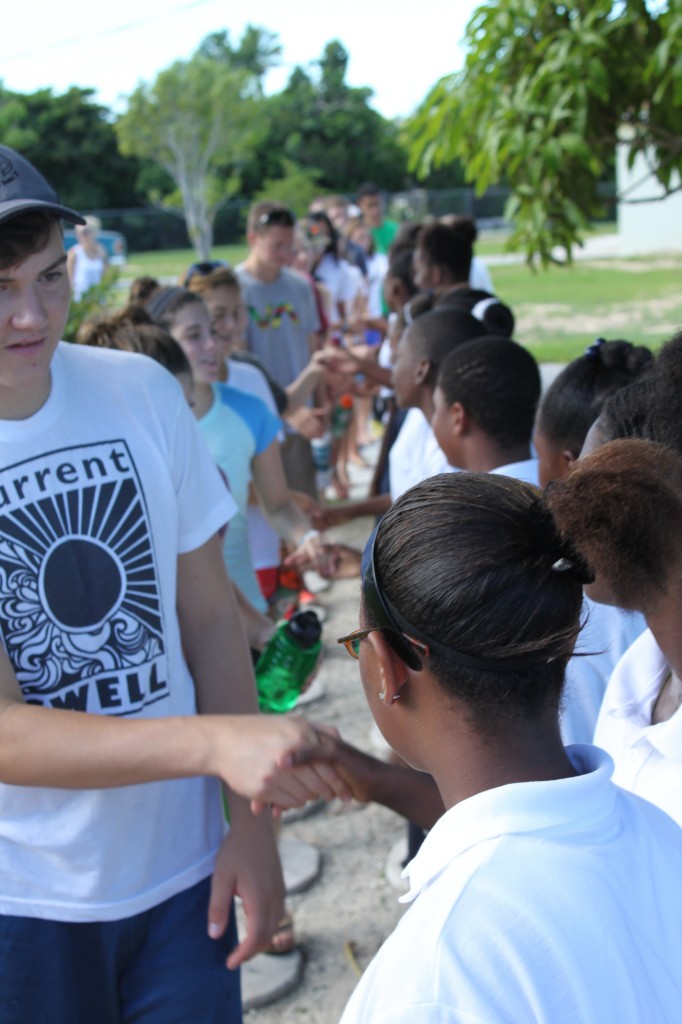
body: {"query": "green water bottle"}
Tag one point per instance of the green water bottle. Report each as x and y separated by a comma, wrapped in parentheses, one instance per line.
(288, 661)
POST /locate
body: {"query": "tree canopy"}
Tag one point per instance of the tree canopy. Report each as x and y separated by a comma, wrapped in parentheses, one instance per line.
(257, 51)
(204, 132)
(547, 91)
(73, 141)
(320, 123)
(195, 121)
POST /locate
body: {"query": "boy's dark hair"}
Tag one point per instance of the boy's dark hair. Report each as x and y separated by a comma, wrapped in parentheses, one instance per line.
(467, 559)
(368, 188)
(25, 235)
(449, 248)
(577, 396)
(498, 383)
(269, 214)
(621, 507)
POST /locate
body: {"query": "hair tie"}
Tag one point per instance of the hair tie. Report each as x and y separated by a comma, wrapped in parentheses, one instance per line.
(561, 554)
(497, 318)
(574, 567)
(592, 350)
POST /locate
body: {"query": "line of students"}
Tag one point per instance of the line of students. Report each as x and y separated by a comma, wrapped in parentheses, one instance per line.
(531, 900)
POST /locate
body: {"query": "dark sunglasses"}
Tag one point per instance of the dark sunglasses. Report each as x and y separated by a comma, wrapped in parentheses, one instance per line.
(204, 268)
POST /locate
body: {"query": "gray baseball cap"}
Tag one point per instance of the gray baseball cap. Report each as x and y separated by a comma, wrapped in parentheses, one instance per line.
(23, 188)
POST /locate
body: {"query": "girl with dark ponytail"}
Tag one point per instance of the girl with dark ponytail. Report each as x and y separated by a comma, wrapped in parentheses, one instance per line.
(470, 610)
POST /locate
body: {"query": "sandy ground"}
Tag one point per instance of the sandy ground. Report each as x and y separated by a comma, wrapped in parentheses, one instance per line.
(347, 913)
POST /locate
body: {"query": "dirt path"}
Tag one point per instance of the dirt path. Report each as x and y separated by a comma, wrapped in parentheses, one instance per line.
(351, 904)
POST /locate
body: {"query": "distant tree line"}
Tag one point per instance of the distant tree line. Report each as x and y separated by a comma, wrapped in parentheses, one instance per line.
(203, 133)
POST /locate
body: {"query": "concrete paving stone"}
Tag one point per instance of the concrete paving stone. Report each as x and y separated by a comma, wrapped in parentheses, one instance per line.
(267, 978)
(301, 864)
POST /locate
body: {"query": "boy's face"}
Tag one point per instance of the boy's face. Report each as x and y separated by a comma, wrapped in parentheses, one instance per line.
(372, 210)
(34, 304)
(273, 246)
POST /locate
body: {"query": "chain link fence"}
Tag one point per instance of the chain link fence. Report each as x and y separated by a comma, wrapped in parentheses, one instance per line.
(154, 229)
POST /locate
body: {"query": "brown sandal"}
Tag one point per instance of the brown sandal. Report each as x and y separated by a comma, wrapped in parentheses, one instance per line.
(283, 940)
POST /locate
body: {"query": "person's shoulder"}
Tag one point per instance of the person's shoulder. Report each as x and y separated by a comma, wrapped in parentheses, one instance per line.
(117, 361)
(234, 396)
(249, 406)
(247, 370)
(296, 279)
(650, 826)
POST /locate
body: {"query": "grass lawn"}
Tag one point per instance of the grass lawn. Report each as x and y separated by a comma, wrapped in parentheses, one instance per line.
(494, 243)
(558, 311)
(561, 310)
(172, 263)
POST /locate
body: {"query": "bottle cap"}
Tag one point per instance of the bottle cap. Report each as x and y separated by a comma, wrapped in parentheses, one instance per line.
(305, 627)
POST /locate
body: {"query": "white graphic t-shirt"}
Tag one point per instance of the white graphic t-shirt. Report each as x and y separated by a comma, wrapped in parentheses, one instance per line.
(100, 491)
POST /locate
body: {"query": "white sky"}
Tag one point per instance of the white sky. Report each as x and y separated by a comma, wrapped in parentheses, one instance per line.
(399, 50)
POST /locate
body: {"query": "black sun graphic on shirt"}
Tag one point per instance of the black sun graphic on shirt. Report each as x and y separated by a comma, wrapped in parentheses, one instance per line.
(78, 587)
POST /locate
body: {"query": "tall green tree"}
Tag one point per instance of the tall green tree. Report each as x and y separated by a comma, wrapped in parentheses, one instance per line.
(547, 91)
(320, 123)
(258, 50)
(73, 142)
(196, 121)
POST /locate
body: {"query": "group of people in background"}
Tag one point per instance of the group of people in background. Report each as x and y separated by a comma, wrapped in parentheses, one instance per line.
(521, 598)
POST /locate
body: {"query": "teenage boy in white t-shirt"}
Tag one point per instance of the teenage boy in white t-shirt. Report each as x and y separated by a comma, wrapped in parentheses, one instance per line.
(117, 625)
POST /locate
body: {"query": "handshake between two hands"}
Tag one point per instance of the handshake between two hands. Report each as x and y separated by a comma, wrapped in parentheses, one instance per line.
(284, 761)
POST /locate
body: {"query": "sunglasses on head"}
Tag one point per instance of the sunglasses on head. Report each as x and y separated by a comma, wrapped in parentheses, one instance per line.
(204, 268)
(275, 218)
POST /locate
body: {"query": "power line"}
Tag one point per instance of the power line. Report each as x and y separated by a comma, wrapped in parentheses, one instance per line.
(78, 40)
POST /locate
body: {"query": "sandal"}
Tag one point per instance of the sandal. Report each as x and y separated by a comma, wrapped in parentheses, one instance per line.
(284, 940)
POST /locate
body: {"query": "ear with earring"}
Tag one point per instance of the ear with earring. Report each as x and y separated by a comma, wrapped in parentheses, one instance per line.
(382, 697)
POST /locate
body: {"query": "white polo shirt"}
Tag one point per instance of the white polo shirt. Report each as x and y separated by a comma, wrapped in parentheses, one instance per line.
(525, 471)
(648, 758)
(537, 903)
(415, 454)
(606, 635)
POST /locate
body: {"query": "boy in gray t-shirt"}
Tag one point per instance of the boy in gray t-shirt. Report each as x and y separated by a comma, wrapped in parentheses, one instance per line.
(283, 322)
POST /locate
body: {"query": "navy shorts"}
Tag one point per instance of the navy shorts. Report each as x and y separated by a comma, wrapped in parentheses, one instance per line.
(158, 967)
